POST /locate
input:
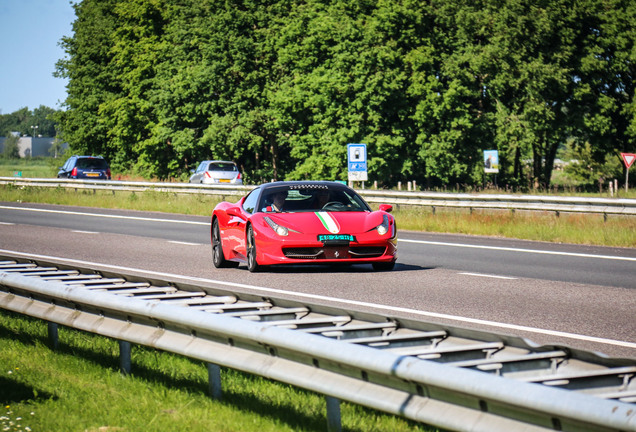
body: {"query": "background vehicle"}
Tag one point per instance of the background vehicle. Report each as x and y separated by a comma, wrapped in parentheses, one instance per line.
(85, 167)
(214, 171)
(308, 222)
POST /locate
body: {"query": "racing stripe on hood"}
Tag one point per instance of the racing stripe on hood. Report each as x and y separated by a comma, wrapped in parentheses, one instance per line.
(328, 222)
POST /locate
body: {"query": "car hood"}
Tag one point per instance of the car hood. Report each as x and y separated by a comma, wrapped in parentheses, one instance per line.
(324, 222)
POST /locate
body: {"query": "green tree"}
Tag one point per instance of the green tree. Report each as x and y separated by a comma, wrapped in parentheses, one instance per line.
(606, 79)
(583, 167)
(11, 150)
(91, 81)
(282, 86)
(22, 121)
(56, 149)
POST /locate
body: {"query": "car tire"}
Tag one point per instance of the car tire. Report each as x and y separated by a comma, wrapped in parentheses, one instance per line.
(217, 248)
(383, 266)
(252, 264)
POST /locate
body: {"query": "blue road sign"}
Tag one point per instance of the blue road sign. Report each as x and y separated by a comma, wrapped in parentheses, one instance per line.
(357, 161)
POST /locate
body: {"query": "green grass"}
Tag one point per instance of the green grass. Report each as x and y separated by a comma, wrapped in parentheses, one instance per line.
(30, 168)
(79, 388)
(619, 231)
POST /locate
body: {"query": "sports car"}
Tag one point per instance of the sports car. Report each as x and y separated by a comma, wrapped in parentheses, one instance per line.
(302, 222)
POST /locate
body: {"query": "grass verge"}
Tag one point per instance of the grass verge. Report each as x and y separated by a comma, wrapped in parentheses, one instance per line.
(618, 231)
(79, 388)
(30, 168)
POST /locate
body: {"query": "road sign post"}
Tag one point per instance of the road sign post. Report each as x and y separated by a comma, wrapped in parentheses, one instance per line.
(491, 163)
(357, 162)
(628, 160)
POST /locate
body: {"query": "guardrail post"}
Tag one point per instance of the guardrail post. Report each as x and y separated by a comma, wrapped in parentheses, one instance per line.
(334, 423)
(214, 378)
(125, 363)
(53, 336)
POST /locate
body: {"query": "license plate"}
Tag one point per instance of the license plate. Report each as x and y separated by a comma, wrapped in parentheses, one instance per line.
(224, 181)
(336, 238)
(92, 174)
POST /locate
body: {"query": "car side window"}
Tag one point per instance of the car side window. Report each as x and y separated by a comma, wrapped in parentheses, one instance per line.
(249, 205)
(201, 167)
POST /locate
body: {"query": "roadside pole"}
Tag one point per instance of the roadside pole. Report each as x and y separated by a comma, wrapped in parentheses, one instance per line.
(628, 160)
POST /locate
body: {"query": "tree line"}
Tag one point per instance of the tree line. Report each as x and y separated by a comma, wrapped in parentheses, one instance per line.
(281, 86)
(39, 122)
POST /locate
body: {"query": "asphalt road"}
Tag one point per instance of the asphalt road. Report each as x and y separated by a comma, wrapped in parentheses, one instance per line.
(577, 296)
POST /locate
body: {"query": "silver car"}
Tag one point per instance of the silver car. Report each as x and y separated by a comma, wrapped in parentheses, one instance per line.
(214, 172)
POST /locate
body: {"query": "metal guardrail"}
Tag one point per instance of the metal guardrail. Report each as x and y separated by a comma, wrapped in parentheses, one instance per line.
(453, 378)
(606, 206)
(614, 206)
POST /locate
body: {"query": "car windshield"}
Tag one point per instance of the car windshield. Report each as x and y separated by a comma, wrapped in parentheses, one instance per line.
(311, 197)
(92, 163)
(222, 166)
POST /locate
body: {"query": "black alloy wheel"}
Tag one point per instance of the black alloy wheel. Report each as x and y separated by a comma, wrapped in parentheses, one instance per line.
(217, 248)
(252, 264)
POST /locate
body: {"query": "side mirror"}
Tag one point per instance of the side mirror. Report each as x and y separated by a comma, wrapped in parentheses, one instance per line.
(386, 208)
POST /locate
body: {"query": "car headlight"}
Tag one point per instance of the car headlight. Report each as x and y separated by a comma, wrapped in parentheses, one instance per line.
(278, 229)
(383, 228)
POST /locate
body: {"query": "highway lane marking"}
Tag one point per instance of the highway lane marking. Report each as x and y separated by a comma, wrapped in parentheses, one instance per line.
(488, 276)
(573, 254)
(555, 333)
(104, 215)
(6, 223)
(508, 249)
(185, 243)
(84, 232)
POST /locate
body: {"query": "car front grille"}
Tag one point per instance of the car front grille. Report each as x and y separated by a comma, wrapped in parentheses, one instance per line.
(303, 253)
(318, 253)
(366, 251)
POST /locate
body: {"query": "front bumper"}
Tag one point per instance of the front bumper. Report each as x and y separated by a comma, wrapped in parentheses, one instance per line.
(368, 248)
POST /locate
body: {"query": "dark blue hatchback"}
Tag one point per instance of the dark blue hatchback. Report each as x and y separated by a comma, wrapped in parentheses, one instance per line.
(85, 167)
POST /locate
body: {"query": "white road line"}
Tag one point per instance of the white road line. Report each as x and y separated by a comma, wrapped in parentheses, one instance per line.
(535, 251)
(185, 243)
(84, 232)
(104, 215)
(6, 223)
(625, 344)
(488, 276)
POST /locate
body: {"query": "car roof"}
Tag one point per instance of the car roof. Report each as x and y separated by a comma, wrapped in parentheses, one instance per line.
(216, 160)
(277, 184)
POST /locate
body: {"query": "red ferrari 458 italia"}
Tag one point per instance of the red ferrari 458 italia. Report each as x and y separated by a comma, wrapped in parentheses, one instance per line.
(303, 222)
